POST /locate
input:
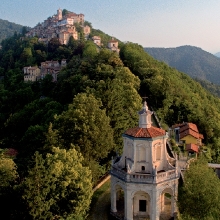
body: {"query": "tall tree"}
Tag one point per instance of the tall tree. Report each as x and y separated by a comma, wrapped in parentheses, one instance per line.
(200, 195)
(86, 125)
(58, 187)
(8, 172)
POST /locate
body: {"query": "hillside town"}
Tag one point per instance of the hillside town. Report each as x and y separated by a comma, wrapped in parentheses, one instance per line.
(61, 26)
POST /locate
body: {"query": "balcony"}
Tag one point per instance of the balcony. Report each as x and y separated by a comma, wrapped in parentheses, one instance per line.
(143, 177)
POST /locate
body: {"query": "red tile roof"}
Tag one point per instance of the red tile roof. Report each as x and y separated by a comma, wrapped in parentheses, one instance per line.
(189, 132)
(145, 132)
(192, 147)
(189, 129)
(201, 136)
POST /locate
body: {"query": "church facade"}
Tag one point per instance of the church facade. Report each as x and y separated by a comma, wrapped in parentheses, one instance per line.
(144, 180)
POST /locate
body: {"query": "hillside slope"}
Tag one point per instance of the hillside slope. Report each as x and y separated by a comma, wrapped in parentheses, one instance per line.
(217, 54)
(193, 61)
(7, 29)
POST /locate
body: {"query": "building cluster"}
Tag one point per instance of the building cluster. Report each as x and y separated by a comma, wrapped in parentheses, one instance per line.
(59, 26)
(112, 44)
(48, 67)
(187, 134)
(63, 27)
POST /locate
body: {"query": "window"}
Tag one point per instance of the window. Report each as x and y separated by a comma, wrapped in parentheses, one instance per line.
(143, 168)
(158, 152)
(142, 205)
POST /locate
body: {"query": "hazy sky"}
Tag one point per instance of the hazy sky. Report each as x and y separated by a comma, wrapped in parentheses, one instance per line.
(151, 23)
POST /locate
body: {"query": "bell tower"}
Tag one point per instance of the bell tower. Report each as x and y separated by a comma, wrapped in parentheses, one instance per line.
(59, 14)
(144, 180)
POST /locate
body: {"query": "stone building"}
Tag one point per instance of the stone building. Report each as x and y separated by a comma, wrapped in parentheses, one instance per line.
(86, 31)
(47, 68)
(144, 180)
(52, 68)
(113, 45)
(59, 14)
(31, 73)
(65, 36)
(59, 26)
(96, 40)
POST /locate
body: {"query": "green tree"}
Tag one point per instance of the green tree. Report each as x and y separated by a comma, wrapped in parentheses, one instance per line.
(58, 187)
(26, 56)
(72, 43)
(8, 171)
(86, 125)
(53, 44)
(120, 98)
(200, 195)
(90, 50)
(9, 197)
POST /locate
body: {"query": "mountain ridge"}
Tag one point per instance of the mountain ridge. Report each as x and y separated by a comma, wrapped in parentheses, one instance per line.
(7, 29)
(217, 54)
(191, 60)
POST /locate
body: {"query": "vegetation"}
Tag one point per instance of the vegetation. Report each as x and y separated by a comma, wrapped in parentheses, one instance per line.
(211, 87)
(7, 29)
(105, 37)
(193, 61)
(58, 187)
(101, 203)
(199, 197)
(78, 120)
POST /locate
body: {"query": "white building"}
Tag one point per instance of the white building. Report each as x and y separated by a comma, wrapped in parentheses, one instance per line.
(113, 45)
(144, 180)
(96, 40)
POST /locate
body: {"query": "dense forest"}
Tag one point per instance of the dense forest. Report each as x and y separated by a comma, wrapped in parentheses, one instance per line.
(68, 130)
(193, 61)
(7, 29)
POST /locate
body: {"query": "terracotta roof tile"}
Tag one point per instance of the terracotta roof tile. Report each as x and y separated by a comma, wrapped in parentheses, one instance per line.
(192, 147)
(201, 136)
(145, 132)
(189, 126)
(189, 132)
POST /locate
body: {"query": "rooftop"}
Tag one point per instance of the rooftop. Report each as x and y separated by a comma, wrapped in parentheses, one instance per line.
(145, 132)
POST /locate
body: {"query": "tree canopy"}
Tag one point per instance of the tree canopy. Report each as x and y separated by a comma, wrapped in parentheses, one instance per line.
(199, 197)
(58, 187)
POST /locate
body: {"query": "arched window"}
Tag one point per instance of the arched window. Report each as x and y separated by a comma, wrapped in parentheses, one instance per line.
(158, 152)
(142, 153)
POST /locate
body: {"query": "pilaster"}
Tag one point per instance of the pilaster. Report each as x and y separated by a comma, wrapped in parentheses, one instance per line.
(128, 206)
(113, 199)
(155, 205)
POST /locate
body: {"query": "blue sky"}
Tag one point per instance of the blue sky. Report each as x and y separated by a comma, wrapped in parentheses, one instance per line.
(150, 23)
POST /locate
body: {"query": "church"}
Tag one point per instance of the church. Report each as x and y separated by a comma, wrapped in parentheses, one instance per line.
(144, 180)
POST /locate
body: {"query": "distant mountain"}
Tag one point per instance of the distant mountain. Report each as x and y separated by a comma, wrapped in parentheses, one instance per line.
(7, 29)
(193, 61)
(217, 54)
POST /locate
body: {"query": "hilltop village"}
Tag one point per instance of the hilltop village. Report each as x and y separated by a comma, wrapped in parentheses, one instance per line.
(61, 26)
(71, 110)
